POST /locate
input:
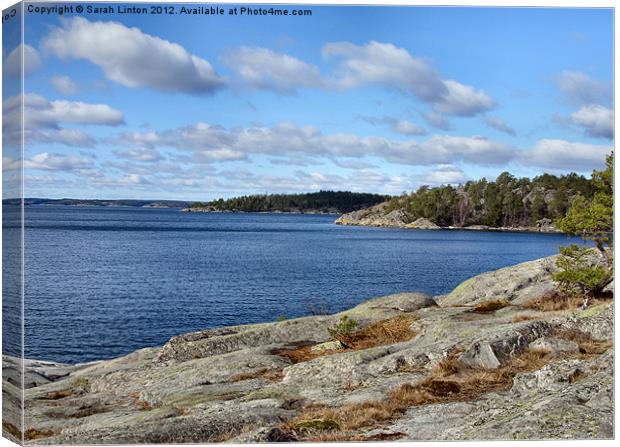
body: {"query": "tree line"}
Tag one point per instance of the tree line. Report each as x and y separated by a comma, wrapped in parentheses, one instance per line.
(322, 201)
(506, 202)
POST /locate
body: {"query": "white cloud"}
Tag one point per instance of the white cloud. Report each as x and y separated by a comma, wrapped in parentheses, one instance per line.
(384, 63)
(139, 154)
(405, 127)
(57, 162)
(388, 65)
(463, 100)
(12, 64)
(402, 127)
(359, 65)
(43, 119)
(64, 84)
(68, 137)
(39, 112)
(561, 154)
(580, 89)
(499, 124)
(597, 121)
(267, 70)
(133, 58)
(445, 175)
(10, 164)
(215, 143)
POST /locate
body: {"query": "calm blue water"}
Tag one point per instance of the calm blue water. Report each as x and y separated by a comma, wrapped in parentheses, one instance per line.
(102, 282)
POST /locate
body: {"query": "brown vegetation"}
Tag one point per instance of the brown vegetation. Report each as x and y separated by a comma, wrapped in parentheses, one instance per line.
(33, 433)
(384, 332)
(554, 301)
(273, 375)
(12, 430)
(487, 307)
(587, 345)
(450, 381)
(60, 394)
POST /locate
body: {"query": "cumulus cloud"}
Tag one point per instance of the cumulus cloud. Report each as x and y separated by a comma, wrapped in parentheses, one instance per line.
(463, 100)
(57, 162)
(242, 181)
(43, 119)
(386, 64)
(597, 121)
(267, 70)
(561, 154)
(133, 58)
(64, 84)
(356, 66)
(580, 89)
(499, 124)
(68, 137)
(405, 127)
(13, 63)
(139, 154)
(445, 175)
(402, 127)
(216, 143)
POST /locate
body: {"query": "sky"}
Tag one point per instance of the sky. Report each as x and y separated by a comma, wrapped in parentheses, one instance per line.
(368, 99)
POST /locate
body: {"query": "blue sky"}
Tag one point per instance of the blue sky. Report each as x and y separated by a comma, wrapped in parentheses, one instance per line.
(375, 99)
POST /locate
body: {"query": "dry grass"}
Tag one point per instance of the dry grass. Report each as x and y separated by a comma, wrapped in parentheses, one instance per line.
(587, 345)
(273, 375)
(60, 394)
(12, 430)
(488, 307)
(33, 433)
(384, 332)
(554, 301)
(333, 436)
(231, 432)
(526, 317)
(304, 353)
(450, 381)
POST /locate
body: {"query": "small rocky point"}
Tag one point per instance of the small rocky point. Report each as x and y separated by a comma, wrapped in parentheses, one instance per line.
(379, 216)
(238, 384)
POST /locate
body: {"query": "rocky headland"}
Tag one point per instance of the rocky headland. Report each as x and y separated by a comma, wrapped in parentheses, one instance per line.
(381, 216)
(500, 357)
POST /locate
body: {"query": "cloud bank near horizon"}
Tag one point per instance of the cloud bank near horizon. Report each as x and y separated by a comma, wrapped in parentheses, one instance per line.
(425, 127)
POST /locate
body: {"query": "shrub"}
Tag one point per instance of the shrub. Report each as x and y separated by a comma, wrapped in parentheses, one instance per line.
(578, 275)
(81, 383)
(342, 330)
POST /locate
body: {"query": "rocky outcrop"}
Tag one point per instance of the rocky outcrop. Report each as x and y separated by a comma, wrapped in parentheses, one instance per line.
(242, 384)
(382, 216)
(423, 224)
(376, 216)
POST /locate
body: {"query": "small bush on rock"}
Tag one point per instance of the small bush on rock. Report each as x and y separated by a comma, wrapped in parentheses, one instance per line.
(578, 275)
(343, 329)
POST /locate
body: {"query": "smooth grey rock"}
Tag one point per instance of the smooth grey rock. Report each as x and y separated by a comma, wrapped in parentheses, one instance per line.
(555, 345)
(515, 284)
(480, 355)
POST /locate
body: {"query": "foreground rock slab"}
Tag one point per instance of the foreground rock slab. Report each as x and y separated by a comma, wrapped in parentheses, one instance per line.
(251, 383)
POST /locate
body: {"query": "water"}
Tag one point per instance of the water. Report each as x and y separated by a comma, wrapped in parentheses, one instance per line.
(102, 282)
